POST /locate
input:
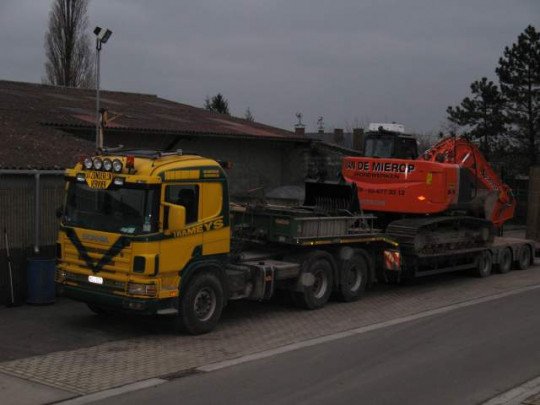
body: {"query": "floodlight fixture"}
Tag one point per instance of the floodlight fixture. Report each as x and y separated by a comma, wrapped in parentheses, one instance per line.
(102, 34)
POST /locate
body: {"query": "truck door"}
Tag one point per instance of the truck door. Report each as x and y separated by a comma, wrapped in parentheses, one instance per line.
(216, 236)
(178, 249)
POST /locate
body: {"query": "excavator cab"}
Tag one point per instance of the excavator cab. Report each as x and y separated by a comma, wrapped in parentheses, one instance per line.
(389, 144)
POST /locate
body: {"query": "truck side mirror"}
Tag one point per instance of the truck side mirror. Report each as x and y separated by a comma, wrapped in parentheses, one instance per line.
(177, 217)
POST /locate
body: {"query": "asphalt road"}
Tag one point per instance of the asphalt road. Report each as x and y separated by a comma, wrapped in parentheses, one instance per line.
(465, 356)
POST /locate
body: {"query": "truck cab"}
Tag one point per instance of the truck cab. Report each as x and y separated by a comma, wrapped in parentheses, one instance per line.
(136, 223)
(389, 142)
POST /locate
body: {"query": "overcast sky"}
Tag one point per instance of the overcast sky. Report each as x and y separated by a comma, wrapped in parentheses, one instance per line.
(350, 61)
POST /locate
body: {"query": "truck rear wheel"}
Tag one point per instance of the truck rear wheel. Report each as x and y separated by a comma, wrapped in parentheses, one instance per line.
(505, 261)
(353, 278)
(523, 258)
(484, 264)
(315, 282)
(201, 304)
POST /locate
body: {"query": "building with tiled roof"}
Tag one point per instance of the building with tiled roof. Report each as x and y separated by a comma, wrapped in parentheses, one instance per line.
(44, 126)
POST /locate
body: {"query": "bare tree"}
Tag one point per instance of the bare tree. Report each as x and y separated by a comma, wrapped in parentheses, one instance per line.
(248, 116)
(67, 45)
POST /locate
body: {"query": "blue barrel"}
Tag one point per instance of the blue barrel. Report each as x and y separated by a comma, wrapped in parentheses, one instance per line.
(40, 281)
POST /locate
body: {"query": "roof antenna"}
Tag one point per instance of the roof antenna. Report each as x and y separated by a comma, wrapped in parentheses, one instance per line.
(299, 124)
(320, 125)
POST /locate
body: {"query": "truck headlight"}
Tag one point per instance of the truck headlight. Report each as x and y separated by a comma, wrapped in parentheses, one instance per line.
(142, 289)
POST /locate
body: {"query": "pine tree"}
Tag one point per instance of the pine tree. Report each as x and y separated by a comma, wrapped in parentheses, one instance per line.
(481, 114)
(519, 76)
(218, 104)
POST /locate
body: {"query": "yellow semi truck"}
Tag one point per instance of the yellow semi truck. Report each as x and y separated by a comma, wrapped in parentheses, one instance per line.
(153, 232)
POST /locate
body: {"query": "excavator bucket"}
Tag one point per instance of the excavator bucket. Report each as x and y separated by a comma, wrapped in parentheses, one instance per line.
(331, 196)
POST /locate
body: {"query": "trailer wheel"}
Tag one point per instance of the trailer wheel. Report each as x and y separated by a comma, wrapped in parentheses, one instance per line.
(353, 280)
(524, 258)
(484, 264)
(505, 261)
(200, 307)
(315, 282)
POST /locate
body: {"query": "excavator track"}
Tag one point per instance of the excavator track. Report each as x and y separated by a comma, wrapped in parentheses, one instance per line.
(443, 234)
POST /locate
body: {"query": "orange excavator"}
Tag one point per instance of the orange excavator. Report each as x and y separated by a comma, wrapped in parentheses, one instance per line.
(447, 198)
(443, 208)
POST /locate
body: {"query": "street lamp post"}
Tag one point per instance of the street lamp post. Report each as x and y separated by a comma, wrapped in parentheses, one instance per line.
(102, 36)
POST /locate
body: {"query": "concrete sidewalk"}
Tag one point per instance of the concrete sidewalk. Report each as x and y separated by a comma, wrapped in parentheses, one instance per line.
(16, 391)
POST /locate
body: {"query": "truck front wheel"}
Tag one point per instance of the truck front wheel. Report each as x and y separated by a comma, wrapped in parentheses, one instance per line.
(201, 304)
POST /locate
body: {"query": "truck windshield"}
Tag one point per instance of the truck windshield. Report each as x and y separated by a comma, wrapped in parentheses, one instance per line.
(380, 146)
(127, 210)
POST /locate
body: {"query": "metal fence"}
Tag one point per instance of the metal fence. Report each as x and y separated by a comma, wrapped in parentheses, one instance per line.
(28, 203)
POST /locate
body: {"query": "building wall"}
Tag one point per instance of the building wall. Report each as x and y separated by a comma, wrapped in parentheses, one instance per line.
(18, 218)
(256, 163)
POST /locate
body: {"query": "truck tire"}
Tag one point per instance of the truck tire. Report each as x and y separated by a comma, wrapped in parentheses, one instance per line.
(201, 304)
(523, 258)
(505, 261)
(353, 278)
(484, 264)
(316, 281)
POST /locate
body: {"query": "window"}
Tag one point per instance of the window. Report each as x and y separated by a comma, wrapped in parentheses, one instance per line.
(127, 210)
(380, 146)
(188, 197)
(406, 149)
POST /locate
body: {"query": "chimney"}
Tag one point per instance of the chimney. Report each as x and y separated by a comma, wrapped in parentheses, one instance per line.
(299, 131)
(338, 136)
(358, 139)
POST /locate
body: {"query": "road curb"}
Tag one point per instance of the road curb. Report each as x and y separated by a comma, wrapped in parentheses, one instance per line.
(86, 399)
(522, 394)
